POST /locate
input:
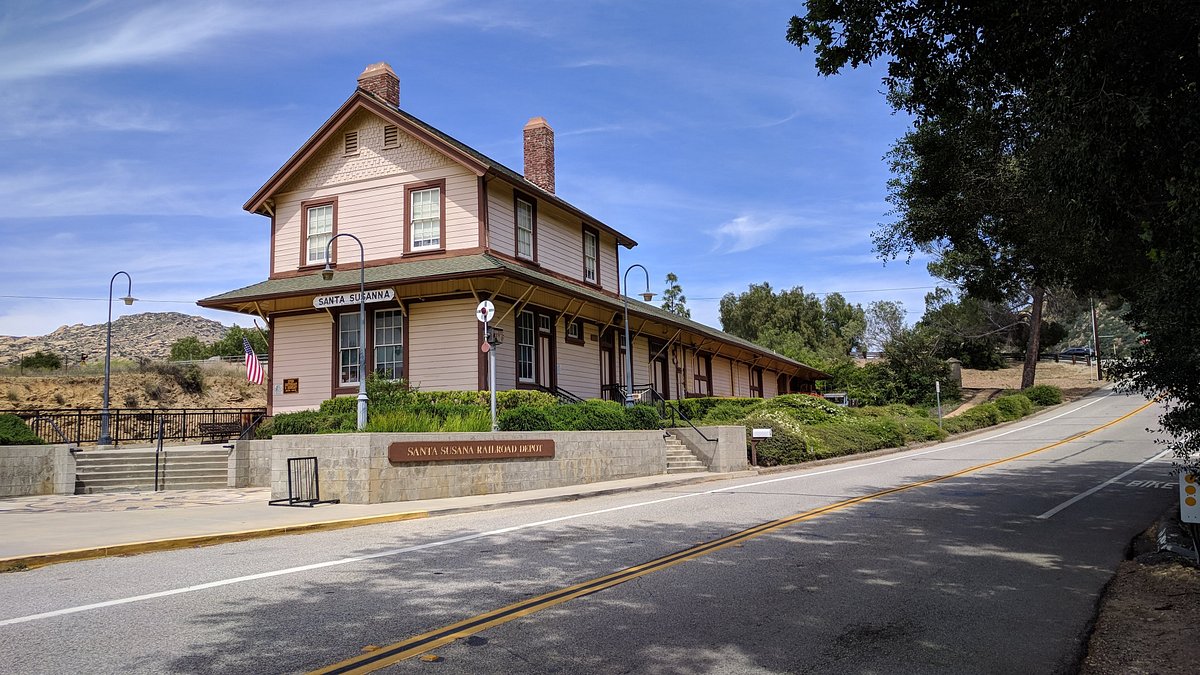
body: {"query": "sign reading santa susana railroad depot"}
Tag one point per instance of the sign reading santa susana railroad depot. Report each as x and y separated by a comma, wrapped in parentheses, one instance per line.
(340, 299)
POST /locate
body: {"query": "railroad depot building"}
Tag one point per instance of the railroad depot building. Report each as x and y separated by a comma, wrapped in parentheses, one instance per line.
(444, 227)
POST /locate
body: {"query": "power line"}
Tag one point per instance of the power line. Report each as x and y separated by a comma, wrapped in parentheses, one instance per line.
(54, 297)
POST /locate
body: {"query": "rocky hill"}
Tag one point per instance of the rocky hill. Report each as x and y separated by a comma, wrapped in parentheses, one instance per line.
(135, 337)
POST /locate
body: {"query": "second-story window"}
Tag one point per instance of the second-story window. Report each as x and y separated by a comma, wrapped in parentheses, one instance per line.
(524, 228)
(319, 230)
(426, 221)
(591, 254)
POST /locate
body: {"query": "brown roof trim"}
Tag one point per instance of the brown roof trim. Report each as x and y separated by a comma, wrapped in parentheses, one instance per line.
(359, 99)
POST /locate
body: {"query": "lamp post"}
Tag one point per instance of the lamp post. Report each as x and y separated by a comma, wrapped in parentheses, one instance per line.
(647, 296)
(327, 275)
(105, 436)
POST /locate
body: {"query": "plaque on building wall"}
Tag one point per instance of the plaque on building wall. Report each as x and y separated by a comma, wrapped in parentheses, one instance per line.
(435, 451)
(291, 385)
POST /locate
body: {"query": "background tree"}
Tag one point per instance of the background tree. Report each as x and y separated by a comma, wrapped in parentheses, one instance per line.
(189, 348)
(230, 344)
(1094, 106)
(885, 320)
(674, 301)
(40, 360)
(794, 323)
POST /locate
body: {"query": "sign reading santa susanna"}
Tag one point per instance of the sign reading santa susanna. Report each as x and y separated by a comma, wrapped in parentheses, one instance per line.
(341, 299)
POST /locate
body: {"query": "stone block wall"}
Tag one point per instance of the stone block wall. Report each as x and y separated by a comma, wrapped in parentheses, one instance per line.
(36, 470)
(250, 464)
(726, 452)
(355, 469)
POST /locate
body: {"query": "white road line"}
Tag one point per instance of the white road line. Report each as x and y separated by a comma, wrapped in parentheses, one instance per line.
(1089, 493)
(515, 528)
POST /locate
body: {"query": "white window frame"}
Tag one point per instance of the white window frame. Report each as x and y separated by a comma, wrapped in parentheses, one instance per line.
(389, 343)
(318, 240)
(348, 353)
(526, 351)
(525, 244)
(429, 240)
(574, 330)
(591, 255)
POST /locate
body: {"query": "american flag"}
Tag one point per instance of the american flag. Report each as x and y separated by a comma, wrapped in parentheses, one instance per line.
(254, 371)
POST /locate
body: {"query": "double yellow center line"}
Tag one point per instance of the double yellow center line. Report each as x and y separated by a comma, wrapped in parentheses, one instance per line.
(433, 639)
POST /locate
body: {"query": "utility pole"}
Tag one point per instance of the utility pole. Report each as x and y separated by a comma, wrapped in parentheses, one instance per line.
(1096, 341)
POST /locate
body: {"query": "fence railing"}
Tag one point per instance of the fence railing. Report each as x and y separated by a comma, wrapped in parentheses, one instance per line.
(78, 426)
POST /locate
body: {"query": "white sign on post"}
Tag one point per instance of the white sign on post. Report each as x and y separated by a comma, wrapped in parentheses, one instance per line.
(485, 311)
(1189, 501)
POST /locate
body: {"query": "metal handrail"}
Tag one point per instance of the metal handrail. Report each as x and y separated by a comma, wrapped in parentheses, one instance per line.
(136, 424)
(675, 411)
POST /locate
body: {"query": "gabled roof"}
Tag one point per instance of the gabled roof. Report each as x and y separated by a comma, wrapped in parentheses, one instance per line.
(468, 157)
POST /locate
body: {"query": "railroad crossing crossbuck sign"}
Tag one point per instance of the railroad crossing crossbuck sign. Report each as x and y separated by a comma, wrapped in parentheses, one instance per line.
(485, 311)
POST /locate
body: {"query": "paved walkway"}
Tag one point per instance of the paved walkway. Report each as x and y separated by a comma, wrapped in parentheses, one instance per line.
(58, 528)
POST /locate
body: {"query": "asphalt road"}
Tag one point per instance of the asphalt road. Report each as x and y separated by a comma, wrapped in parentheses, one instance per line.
(889, 564)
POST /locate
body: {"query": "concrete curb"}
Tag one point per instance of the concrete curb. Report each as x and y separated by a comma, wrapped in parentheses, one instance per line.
(26, 562)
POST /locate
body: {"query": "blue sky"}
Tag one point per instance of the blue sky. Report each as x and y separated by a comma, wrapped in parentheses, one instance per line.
(132, 132)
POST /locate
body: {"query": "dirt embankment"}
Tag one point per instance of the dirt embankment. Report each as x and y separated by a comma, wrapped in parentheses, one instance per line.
(224, 386)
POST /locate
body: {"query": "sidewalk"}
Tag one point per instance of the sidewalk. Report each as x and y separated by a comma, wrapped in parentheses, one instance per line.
(60, 528)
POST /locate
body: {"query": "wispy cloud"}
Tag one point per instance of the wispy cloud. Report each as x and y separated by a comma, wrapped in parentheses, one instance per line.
(748, 231)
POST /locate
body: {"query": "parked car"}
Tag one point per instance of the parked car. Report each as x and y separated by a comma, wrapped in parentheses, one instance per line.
(1077, 351)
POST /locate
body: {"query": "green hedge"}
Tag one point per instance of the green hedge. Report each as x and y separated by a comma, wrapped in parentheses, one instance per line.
(14, 431)
(699, 408)
(591, 415)
(1044, 394)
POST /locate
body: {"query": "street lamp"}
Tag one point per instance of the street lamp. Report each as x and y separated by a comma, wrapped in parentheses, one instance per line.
(105, 436)
(327, 275)
(647, 296)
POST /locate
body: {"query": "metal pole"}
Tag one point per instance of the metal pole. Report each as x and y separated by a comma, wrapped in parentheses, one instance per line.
(362, 321)
(105, 437)
(937, 388)
(491, 375)
(628, 344)
(1096, 341)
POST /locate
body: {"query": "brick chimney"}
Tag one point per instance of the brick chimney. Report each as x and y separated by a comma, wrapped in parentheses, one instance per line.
(539, 153)
(380, 80)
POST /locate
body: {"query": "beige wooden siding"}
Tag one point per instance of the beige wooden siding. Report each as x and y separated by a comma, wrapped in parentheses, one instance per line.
(722, 382)
(741, 372)
(370, 191)
(501, 221)
(443, 345)
(770, 384)
(609, 275)
(641, 364)
(578, 365)
(506, 354)
(304, 351)
(559, 243)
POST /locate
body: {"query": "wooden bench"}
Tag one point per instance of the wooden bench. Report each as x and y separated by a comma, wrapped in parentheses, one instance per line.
(219, 432)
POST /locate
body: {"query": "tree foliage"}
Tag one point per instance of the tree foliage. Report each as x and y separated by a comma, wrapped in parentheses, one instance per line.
(192, 349)
(885, 320)
(40, 360)
(674, 301)
(794, 323)
(1067, 136)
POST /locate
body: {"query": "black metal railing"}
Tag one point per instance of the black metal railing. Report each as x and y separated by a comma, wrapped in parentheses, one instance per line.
(134, 424)
(563, 395)
(666, 407)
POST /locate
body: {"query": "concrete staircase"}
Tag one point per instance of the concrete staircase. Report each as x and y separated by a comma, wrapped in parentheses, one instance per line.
(679, 458)
(186, 468)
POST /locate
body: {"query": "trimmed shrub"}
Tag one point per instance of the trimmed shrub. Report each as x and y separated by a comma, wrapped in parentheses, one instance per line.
(311, 422)
(14, 431)
(515, 398)
(641, 416)
(524, 418)
(1013, 407)
(980, 416)
(1044, 394)
(593, 415)
(698, 408)
(806, 409)
(785, 446)
(726, 411)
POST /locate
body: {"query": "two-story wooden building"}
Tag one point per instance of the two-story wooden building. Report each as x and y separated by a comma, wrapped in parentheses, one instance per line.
(443, 227)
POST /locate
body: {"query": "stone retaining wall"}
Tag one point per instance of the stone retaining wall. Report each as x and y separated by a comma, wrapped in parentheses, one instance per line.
(36, 470)
(355, 468)
(250, 464)
(725, 452)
